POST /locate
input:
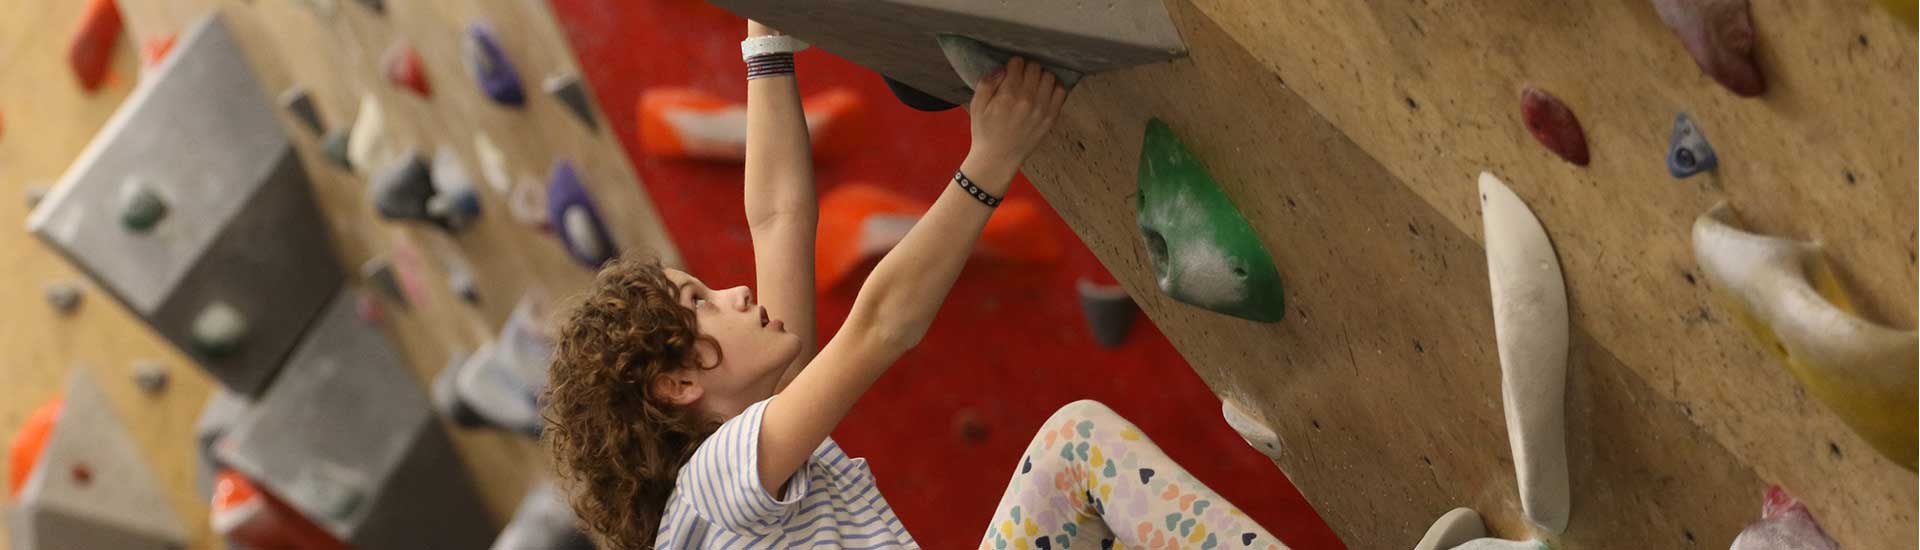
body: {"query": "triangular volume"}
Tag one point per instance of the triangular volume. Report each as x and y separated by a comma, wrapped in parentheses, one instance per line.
(89, 487)
(567, 88)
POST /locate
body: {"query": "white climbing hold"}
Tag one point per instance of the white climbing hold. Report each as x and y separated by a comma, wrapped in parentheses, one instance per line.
(579, 227)
(369, 147)
(493, 163)
(1788, 295)
(218, 329)
(1256, 432)
(1530, 329)
(1455, 528)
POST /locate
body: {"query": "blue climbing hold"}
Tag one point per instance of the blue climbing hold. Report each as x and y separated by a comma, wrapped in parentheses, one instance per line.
(577, 220)
(1688, 152)
(488, 64)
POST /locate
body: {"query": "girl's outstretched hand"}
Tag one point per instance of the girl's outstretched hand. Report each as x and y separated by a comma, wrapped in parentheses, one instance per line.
(1012, 110)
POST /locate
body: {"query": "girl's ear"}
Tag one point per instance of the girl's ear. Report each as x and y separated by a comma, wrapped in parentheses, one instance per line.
(678, 388)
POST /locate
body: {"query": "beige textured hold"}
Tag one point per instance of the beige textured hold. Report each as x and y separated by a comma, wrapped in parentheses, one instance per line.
(1530, 328)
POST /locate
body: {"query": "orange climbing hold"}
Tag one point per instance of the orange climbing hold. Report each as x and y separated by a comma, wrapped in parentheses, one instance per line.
(24, 451)
(245, 514)
(1554, 125)
(92, 47)
(686, 123)
(859, 221)
(155, 50)
(405, 69)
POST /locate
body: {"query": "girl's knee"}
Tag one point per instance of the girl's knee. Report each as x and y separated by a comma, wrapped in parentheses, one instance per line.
(1084, 409)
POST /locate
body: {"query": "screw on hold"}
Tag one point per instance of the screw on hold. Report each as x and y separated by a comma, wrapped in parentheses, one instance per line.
(141, 208)
(64, 297)
(151, 376)
(218, 330)
(1688, 151)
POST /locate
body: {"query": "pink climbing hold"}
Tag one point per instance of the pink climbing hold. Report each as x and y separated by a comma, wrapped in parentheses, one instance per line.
(1553, 124)
(405, 69)
(1719, 34)
(1784, 524)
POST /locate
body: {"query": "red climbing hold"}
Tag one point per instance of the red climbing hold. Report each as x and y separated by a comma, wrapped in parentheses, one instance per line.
(155, 50)
(1719, 34)
(405, 69)
(1553, 124)
(92, 47)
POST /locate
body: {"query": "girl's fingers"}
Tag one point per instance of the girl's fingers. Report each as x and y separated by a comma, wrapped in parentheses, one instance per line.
(1059, 98)
(1034, 72)
(986, 89)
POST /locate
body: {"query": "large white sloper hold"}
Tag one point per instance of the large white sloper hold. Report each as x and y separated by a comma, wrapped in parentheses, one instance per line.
(1462, 529)
(1530, 328)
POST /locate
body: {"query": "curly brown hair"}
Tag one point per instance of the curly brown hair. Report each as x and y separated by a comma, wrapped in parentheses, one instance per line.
(618, 449)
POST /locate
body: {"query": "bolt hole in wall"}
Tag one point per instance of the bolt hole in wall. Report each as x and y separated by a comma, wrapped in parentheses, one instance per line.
(945, 427)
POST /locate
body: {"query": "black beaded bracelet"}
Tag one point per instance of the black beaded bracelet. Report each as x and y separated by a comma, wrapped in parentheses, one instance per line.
(772, 64)
(975, 190)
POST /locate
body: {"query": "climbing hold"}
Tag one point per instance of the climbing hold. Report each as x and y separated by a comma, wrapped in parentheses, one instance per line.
(369, 147)
(1792, 300)
(297, 101)
(463, 285)
(686, 123)
(1530, 332)
(334, 146)
(1719, 34)
(218, 330)
(483, 58)
(493, 163)
(1204, 252)
(1688, 152)
(1253, 430)
(155, 50)
(1553, 124)
(1109, 312)
(243, 514)
(406, 70)
(1784, 523)
(63, 296)
(24, 450)
(141, 206)
(323, 8)
(543, 519)
(1453, 529)
(974, 60)
(455, 204)
(402, 189)
(580, 228)
(368, 308)
(527, 203)
(150, 376)
(859, 221)
(380, 273)
(567, 88)
(914, 98)
(970, 426)
(377, 6)
(90, 53)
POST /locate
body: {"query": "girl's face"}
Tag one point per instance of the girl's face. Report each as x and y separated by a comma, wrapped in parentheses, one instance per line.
(755, 349)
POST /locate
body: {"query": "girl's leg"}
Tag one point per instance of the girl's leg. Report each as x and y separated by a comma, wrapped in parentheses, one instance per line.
(1090, 479)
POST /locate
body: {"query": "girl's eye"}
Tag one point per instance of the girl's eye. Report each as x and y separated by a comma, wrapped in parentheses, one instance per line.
(698, 301)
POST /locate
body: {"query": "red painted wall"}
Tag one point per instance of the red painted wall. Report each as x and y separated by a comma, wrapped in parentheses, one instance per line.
(1009, 346)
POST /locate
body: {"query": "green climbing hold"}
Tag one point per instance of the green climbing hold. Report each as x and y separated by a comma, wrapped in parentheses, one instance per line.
(141, 207)
(1204, 252)
(974, 60)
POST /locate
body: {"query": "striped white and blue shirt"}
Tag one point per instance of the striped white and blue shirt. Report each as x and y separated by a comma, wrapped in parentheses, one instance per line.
(830, 502)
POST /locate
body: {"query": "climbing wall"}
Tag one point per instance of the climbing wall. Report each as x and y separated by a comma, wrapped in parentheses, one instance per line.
(1351, 133)
(335, 49)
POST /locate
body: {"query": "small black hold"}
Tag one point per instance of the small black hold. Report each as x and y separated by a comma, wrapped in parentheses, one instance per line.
(1850, 179)
(1834, 448)
(1290, 203)
(1863, 40)
(1689, 533)
(1411, 104)
(1429, 461)
(1081, 145)
(1316, 424)
(1689, 276)
(1419, 348)
(1412, 229)
(1688, 409)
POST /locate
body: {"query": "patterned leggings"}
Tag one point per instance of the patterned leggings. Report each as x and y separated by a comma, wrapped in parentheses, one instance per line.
(1091, 478)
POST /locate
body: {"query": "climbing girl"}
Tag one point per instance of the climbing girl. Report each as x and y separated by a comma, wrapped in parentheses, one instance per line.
(684, 416)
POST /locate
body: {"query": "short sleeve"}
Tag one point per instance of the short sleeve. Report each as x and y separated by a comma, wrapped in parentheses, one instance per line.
(722, 481)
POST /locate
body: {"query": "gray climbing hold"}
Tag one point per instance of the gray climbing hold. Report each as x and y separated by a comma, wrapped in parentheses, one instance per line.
(1688, 152)
(64, 297)
(151, 376)
(974, 60)
(218, 330)
(380, 272)
(402, 189)
(141, 207)
(335, 146)
(1109, 312)
(567, 88)
(300, 103)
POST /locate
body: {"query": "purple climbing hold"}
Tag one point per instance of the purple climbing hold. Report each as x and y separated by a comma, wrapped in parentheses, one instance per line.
(573, 214)
(488, 64)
